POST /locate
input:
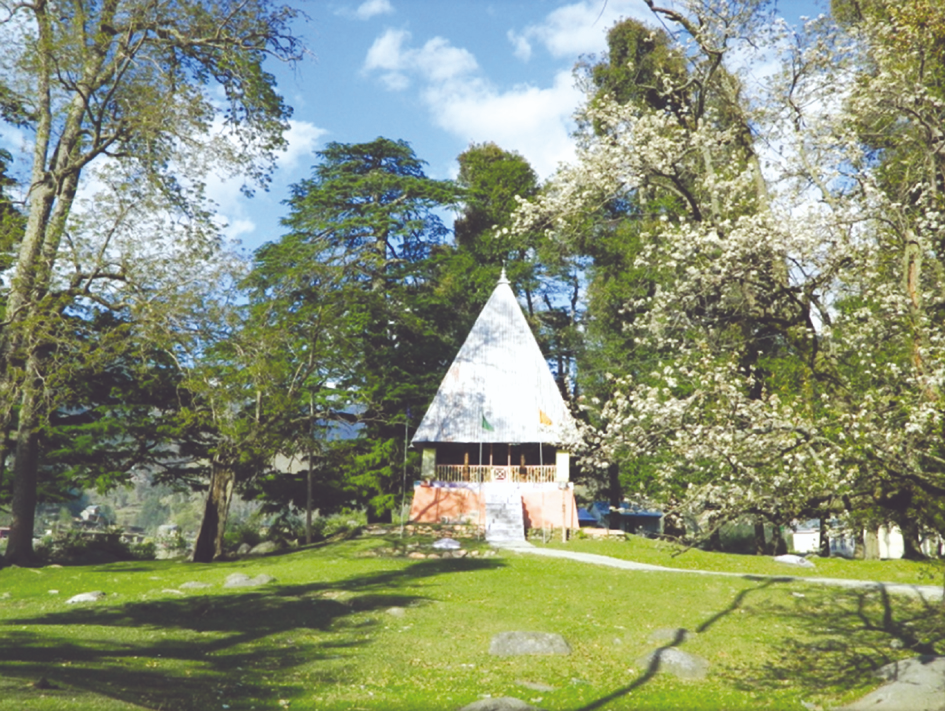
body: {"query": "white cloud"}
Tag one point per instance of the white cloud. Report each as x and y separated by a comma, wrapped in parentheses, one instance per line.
(534, 121)
(531, 120)
(521, 47)
(579, 28)
(303, 137)
(367, 10)
(371, 8)
(436, 61)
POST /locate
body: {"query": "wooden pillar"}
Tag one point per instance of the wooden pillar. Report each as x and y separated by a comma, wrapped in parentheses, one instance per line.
(562, 466)
(428, 464)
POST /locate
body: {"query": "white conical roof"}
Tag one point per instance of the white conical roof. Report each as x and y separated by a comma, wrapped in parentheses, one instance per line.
(499, 380)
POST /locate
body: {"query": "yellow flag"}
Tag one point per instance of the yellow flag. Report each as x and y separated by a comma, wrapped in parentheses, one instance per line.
(543, 418)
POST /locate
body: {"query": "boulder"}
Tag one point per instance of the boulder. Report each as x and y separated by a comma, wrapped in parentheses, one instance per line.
(447, 544)
(194, 585)
(264, 548)
(93, 596)
(241, 580)
(508, 644)
(791, 559)
(917, 684)
(676, 662)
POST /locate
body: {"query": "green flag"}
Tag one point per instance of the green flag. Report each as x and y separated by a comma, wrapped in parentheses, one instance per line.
(486, 426)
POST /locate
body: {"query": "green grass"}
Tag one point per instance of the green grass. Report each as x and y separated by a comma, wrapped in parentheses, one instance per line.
(322, 635)
(670, 555)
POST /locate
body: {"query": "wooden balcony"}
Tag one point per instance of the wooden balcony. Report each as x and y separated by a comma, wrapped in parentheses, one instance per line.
(484, 473)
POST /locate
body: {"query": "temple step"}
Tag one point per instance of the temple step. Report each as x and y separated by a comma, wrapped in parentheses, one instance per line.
(505, 519)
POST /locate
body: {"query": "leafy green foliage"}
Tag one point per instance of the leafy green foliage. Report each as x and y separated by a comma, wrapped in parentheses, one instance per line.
(350, 287)
(141, 84)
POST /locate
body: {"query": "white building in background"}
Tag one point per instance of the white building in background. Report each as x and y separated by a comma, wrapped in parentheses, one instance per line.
(885, 543)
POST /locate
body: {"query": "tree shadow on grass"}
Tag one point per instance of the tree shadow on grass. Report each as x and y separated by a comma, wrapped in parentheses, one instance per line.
(214, 646)
(842, 636)
(654, 666)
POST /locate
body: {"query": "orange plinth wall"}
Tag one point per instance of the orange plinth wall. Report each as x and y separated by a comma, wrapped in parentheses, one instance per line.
(433, 504)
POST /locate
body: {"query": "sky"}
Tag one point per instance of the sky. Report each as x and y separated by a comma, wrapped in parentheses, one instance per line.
(440, 74)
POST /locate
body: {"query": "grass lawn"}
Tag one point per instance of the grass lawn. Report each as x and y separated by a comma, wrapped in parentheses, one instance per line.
(670, 555)
(338, 629)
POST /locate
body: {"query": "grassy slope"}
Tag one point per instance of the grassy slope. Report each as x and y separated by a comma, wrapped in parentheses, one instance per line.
(321, 636)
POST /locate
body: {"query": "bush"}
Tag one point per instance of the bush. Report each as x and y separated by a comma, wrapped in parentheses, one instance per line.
(286, 526)
(143, 551)
(74, 546)
(243, 532)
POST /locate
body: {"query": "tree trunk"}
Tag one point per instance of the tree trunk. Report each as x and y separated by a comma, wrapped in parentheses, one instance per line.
(209, 544)
(715, 538)
(911, 548)
(859, 544)
(824, 542)
(614, 494)
(780, 543)
(23, 507)
(759, 538)
(674, 528)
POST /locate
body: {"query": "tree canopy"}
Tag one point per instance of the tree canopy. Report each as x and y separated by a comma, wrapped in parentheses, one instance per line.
(122, 91)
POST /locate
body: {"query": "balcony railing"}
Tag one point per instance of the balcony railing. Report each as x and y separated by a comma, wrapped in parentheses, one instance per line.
(485, 473)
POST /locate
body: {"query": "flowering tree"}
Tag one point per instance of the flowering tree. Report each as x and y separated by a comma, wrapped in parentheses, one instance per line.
(788, 362)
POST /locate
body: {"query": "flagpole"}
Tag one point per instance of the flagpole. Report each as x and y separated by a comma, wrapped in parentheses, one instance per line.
(481, 522)
(403, 483)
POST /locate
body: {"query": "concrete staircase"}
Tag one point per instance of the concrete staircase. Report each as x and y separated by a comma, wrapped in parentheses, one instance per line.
(505, 521)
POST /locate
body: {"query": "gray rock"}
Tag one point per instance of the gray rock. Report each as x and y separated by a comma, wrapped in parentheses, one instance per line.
(676, 662)
(264, 547)
(396, 611)
(507, 644)
(244, 549)
(194, 585)
(791, 559)
(671, 634)
(447, 544)
(93, 596)
(502, 703)
(241, 580)
(916, 684)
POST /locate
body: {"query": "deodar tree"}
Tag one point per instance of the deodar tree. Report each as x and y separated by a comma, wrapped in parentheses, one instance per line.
(785, 358)
(369, 215)
(132, 100)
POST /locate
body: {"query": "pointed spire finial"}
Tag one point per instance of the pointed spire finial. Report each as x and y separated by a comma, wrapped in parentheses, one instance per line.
(503, 279)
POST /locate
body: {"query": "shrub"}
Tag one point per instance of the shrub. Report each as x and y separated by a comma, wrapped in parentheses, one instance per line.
(286, 526)
(75, 546)
(243, 532)
(146, 550)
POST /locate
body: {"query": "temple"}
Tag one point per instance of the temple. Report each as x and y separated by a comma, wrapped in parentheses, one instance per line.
(497, 436)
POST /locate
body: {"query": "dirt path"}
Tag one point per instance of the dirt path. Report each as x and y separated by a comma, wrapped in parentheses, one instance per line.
(927, 592)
